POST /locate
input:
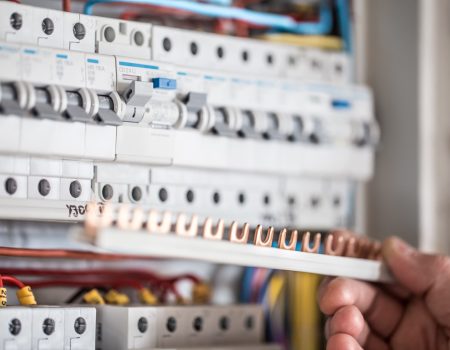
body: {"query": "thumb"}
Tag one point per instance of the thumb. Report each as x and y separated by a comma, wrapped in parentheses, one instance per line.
(423, 274)
(415, 271)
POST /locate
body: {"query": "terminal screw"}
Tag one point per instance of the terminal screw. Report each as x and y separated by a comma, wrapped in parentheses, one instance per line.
(198, 324)
(44, 187)
(136, 193)
(48, 326)
(47, 26)
(16, 20)
(171, 324)
(75, 189)
(107, 192)
(80, 325)
(224, 323)
(142, 325)
(79, 31)
(15, 326)
(10, 185)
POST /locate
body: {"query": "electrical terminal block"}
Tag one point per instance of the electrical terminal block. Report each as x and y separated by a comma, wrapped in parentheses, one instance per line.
(47, 327)
(113, 37)
(79, 328)
(137, 327)
(16, 325)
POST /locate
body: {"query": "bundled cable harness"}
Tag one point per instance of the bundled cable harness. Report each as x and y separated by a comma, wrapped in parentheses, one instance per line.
(101, 286)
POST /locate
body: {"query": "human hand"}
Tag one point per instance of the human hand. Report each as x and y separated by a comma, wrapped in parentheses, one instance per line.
(413, 314)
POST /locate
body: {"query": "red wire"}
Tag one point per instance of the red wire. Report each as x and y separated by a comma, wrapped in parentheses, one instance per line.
(129, 15)
(16, 1)
(13, 280)
(156, 9)
(67, 5)
(114, 278)
(65, 254)
(1, 282)
(143, 274)
(116, 283)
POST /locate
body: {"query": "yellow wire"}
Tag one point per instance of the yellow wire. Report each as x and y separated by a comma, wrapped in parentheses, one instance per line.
(275, 287)
(323, 42)
(305, 313)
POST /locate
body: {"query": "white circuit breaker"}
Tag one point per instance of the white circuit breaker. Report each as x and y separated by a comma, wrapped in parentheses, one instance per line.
(47, 328)
(112, 110)
(142, 327)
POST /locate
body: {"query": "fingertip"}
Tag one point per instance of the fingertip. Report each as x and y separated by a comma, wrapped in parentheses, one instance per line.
(415, 271)
(336, 294)
(342, 342)
(348, 320)
(394, 246)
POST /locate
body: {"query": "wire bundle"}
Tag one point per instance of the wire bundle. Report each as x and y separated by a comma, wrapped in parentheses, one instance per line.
(281, 22)
(139, 280)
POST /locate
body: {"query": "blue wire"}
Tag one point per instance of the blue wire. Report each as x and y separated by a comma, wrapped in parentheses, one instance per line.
(217, 2)
(246, 292)
(220, 2)
(265, 19)
(345, 23)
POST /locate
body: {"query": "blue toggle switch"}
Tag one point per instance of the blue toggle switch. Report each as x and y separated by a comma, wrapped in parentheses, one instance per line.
(164, 83)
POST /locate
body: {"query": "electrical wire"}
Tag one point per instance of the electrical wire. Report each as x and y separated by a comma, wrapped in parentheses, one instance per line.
(345, 23)
(115, 283)
(67, 5)
(324, 42)
(102, 273)
(246, 281)
(14, 281)
(257, 282)
(102, 277)
(281, 22)
(276, 305)
(265, 285)
(64, 254)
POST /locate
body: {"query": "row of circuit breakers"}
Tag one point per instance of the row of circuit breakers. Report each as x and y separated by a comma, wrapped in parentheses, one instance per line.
(100, 109)
(107, 327)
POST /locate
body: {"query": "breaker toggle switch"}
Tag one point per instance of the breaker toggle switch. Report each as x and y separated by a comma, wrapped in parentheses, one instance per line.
(107, 112)
(274, 127)
(137, 96)
(9, 101)
(198, 114)
(75, 111)
(164, 83)
(44, 107)
(227, 121)
(254, 124)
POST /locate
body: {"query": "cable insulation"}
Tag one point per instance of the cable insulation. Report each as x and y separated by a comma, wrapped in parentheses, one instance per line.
(281, 22)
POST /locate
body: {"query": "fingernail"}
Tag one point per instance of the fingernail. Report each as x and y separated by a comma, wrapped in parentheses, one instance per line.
(395, 246)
